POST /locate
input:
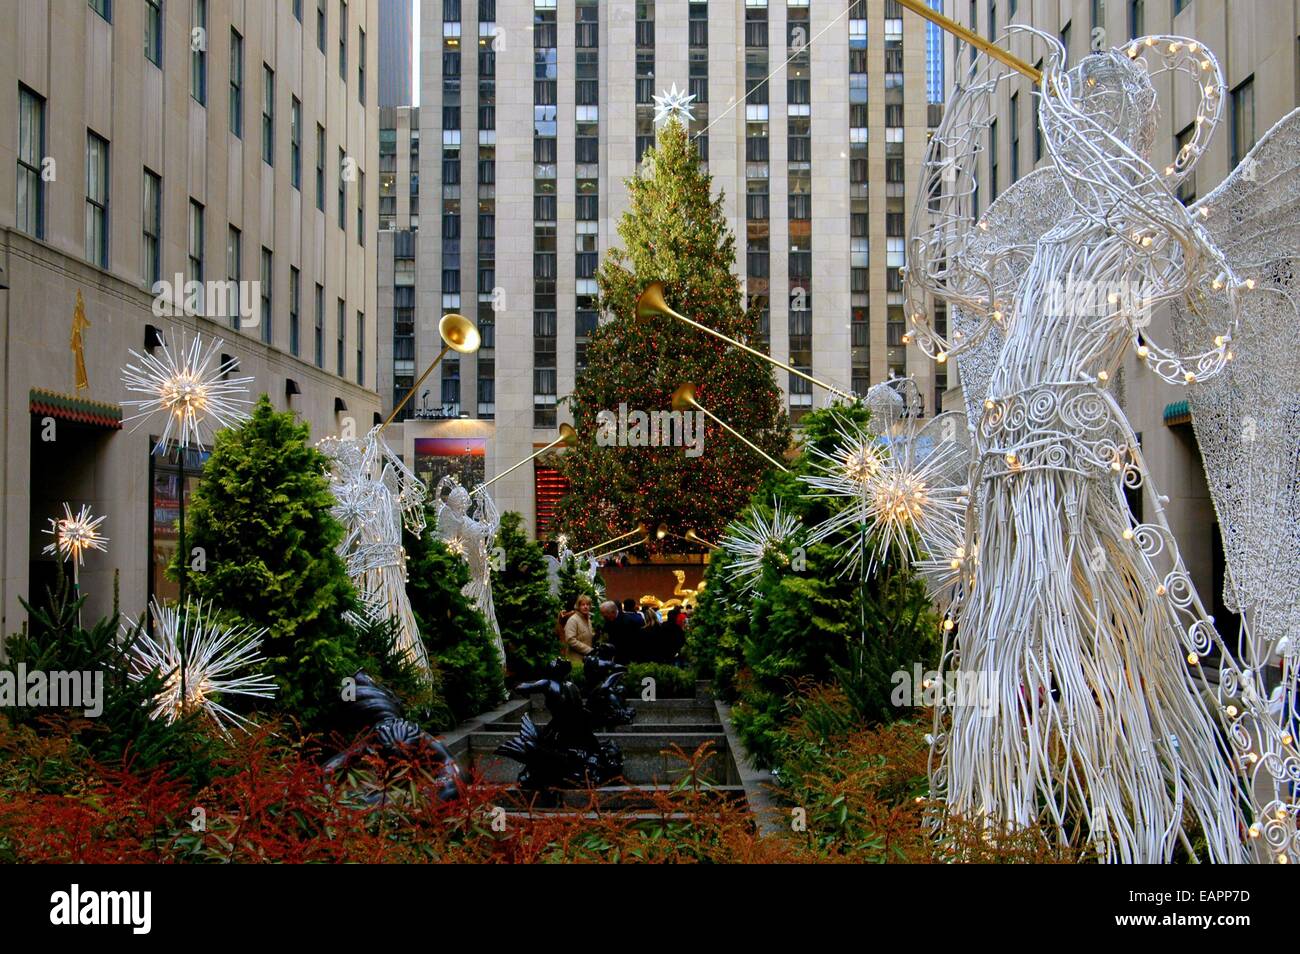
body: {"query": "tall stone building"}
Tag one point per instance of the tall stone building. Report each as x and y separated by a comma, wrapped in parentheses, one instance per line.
(811, 116)
(145, 140)
(1258, 47)
(396, 39)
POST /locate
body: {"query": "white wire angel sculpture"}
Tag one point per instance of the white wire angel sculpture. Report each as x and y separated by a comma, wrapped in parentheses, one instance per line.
(587, 565)
(1084, 620)
(473, 536)
(376, 496)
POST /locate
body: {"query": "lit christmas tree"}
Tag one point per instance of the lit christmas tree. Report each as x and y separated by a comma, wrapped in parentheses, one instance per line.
(673, 232)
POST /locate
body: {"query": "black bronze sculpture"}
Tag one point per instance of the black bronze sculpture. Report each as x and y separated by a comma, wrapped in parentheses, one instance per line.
(563, 753)
(392, 735)
(603, 689)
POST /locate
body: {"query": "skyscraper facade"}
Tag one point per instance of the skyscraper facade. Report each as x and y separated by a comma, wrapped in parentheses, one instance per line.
(810, 116)
(146, 146)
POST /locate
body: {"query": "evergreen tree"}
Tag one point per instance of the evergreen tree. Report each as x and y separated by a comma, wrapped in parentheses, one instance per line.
(674, 232)
(454, 631)
(810, 622)
(521, 595)
(574, 583)
(262, 517)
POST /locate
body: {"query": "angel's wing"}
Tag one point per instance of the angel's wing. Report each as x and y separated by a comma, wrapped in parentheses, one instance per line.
(954, 254)
(1247, 418)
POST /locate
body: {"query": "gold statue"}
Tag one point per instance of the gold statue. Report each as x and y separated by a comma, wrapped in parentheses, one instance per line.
(79, 323)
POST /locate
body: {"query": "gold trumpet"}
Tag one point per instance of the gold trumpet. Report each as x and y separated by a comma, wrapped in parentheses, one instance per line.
(640, 528)
(651, 302)
(690, 536)
(568, 437)
(920, 8)
(696, 538)
(458, 334)
(684, 398)
(627, 546)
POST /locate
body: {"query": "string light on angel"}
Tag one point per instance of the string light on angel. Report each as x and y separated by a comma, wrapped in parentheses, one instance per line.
(200, 661)
(190, 385)
(1047, 291)
(587, 565)
(468, 523)
(751, 541)
(376, 495)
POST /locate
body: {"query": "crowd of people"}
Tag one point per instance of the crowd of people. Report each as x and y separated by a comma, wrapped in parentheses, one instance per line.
(636, 635)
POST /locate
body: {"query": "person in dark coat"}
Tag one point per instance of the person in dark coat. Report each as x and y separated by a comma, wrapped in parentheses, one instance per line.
(624, 631)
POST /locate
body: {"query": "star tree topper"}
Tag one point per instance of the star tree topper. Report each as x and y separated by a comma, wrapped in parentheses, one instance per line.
(674, 102)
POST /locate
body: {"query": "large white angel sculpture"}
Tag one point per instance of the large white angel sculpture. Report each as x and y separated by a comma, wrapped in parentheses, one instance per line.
(469, 523)
(1103, 727)
(375, 496)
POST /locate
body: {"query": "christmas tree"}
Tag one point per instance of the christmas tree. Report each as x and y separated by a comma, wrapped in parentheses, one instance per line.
(674, 232)
(267, 554)
(522, 598)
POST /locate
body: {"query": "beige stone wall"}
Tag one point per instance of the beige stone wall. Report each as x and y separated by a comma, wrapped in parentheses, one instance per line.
(93, 74)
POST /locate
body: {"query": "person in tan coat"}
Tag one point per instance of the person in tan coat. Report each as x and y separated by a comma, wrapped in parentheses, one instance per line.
(579, 636)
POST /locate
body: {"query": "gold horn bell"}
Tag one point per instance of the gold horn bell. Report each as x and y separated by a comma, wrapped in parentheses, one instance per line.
(459, 333)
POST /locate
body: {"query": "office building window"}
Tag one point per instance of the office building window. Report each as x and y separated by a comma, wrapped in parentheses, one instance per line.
(343, 41)
(295, 142)
(1243, 119)
(199, 50)
(153, 31)
(103, 7)
(96, 199)
(361, 207)
(361, 348)
(195, 244)
(152, 217)
(342, 328)
(361, 67)
(268, 115)
(295, 305)
(1136, 19)
(320, 25)
(1014, 117)
(236, 84)
(31, 154)
(267, 285)
(320, 167)
(320, 326)
(234, 265)
(343, 189)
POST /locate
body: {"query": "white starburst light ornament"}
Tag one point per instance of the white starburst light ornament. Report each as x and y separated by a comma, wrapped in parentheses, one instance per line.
(74, 535)
(189, 384)
(673, 103)
(750, 541)
(198, 660)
